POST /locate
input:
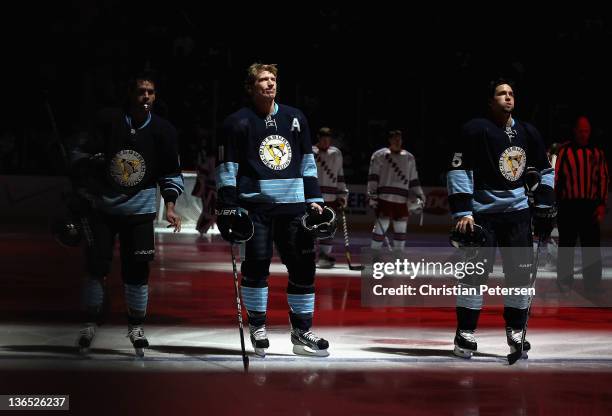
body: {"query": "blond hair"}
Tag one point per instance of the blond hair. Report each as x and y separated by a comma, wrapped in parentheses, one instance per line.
(255, 69)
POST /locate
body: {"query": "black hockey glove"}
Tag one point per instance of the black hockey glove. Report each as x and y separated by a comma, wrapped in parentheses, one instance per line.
(544, 220)
(234, 224)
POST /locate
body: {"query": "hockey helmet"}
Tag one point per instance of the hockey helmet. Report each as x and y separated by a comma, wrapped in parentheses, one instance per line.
(234, 224)
(321, 226)
(476, 238)
(66, 232)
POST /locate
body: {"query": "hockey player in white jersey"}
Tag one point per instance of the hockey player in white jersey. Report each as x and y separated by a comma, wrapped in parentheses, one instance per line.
(332, 184)
(392, 182)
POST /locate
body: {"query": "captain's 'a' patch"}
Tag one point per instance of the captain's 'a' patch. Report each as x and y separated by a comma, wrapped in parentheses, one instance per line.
(295, 125)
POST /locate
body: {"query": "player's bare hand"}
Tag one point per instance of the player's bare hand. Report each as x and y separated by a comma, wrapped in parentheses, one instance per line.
(465, 223)
(316, 207)
(173, 218)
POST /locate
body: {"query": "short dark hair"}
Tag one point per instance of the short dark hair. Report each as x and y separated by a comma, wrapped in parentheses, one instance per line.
(324, 131)
(142, 76)
(496, 83)
(392, 133)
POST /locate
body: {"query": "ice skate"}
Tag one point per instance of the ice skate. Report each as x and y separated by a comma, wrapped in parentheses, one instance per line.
(513, 337)
(86, 337)
(138, 339)
(259, 340)
(308, 344)
(465, 343)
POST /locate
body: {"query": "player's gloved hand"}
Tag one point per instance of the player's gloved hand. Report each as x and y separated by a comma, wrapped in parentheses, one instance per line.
(373, 203)
(234, 224)
(544, 220)
(341, 202)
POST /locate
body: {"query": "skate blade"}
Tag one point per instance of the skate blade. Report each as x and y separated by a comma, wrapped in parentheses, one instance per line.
(309, 352)
(84, 350)
(139, 352)
(260, 352)
(462, 352)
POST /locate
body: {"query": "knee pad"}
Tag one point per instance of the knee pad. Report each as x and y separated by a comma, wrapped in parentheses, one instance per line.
(301, 275)
(135, 272)
(98, 267)
(255, 272)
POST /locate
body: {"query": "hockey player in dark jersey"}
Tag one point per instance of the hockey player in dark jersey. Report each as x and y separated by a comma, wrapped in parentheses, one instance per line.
(117, 168)
(267, 168)
(485, 187)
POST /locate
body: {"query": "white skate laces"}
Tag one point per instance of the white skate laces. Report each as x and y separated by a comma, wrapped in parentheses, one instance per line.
(310, 336)
(88, 331)
(86, 336)
(135, 333)
(516, 335)
(259, 333)
(468, 335)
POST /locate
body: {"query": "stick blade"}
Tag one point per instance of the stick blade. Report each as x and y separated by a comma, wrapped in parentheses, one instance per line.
(356, 267)
(245, 362)
(514, 357)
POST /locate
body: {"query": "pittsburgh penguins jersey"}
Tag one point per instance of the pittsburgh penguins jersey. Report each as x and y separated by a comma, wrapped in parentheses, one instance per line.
(393, 176)
(331, 173)
(135, 159)
(487, 166)
(265, 163)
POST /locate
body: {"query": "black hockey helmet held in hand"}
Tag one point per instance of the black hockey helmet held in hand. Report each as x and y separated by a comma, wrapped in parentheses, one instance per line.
(67, 232)
(321, 226)
(234, 224)
(476, 238)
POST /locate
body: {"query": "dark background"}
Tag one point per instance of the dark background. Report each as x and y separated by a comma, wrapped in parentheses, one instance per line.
(359, 70)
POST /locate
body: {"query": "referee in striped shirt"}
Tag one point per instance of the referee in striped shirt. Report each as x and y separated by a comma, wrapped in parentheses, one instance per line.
(581, 185)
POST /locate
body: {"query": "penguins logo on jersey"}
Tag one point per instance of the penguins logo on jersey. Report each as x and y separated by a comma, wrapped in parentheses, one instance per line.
(127, 168)
(512, 163)
(275, 152)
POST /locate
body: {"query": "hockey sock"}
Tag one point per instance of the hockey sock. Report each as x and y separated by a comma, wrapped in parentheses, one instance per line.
(136, 297)
(378, 233)
(256, 303)
(93, 298)
(301, 309)
(515, 318)
(399, 234)
(467, 318)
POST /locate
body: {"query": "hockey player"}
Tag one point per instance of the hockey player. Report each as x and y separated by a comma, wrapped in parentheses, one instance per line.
(267, 168)
(333, 187)
(485, 187)
(392, 181)
(129, 152)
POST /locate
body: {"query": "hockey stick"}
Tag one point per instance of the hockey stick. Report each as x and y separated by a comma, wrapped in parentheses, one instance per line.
(516, 355)
(347, 251)
(384, 233)
(245, 359)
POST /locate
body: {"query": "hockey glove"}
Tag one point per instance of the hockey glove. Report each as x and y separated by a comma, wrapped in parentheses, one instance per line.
(234, 224)
(544, 220)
